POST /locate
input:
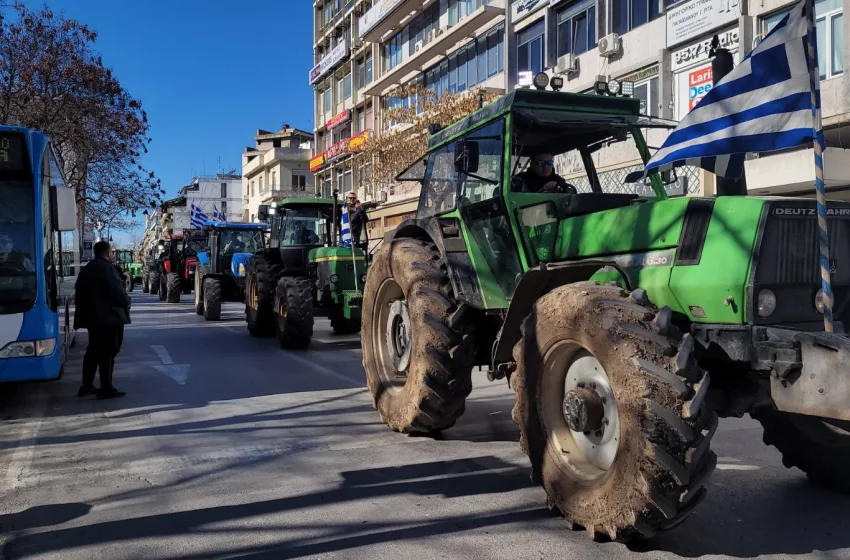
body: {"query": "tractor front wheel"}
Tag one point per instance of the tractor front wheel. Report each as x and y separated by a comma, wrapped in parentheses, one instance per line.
(819, 447)
(609, 408)
(212, 299)
(128, 283)
(199, 296)
(293, 303)
(417, 342)
(146, 287)
(173, 288)
(260, 285)
(153, 283)
(163, 287)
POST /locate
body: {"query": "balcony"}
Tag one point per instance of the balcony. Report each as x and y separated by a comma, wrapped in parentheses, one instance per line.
(385, 15)
(437, 47)
(272, 156)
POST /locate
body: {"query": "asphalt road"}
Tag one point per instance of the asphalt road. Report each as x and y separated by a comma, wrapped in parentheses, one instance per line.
(227, 446)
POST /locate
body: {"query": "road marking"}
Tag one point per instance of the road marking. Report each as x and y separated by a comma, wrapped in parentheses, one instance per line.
(327, 371)
(19, 465)
(738, 468)
(177, 372)
(338, 339)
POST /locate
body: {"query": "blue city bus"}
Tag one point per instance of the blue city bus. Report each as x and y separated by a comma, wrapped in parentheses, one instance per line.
(39, 258)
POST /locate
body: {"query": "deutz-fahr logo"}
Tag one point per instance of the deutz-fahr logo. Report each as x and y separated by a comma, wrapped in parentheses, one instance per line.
(810, 211)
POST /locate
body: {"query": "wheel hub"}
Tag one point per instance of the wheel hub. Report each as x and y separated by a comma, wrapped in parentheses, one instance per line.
(583, 410)
(399, 335)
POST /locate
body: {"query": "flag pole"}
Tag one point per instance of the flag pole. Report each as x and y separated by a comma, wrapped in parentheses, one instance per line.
(817, 129)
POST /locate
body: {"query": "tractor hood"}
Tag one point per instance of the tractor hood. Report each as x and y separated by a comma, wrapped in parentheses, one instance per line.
(239, 264)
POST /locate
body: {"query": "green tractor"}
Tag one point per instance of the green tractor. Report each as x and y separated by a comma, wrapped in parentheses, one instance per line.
(130, 270)
(302, 272)
(626, 324)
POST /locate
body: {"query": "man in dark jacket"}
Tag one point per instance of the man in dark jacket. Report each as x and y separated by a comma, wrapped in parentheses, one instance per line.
(357, 219)
(102, 307)
(540, 177)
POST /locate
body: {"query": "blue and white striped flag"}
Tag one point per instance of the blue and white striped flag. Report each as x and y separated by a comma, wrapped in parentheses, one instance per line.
(218, 216)
(762, 105)
(345, 231)
(197, 218)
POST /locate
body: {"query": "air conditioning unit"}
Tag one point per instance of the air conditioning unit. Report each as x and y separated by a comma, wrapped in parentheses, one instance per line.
(418, 46)
(432, 34)
(383, 196)
(610, 45)
(567, 65)
(357, 44)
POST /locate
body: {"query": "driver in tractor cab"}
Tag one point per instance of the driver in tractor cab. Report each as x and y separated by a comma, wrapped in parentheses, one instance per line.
(9, 256)
(234, 245)
(303, 235)
(540, 177)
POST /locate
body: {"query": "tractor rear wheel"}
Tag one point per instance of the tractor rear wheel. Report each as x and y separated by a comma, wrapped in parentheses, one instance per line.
(212, 299)
(153, 283)
(199, 296)
(417, 343)
(609, 408)
(260, 295)
(819, 447)
(293, 303)
(128, 283)
(146, 287)
(173, 288)
(163, 287)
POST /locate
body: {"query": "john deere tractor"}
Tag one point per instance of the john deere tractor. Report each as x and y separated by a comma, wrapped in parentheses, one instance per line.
(303, 273)
(625, 324)
(130, 270)
(222, 265)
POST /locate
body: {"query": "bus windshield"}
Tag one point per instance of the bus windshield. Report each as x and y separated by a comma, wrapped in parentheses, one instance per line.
(17, 227)
(240, 241)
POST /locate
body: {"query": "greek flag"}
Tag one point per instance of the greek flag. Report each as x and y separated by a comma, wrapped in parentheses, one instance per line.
(762, 105)
(197, 218)
(345, 233)
(218, 216)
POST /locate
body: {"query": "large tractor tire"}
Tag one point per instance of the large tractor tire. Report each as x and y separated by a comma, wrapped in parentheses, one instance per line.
(153, 283)
(609, 408)
(293, 303)
(212, 299)
(173, 288)
(417, 343)
(199, 296)
(163, 287)
(817, 446)
(128, 283)
(146, 287)
(260, 296)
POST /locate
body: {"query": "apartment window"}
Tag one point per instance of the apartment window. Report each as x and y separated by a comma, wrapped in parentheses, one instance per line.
(459, 9)
(629, 14)
(272, 182)
(361, 120)
(346, 85)
(829, 19)
(370, 117)
(647, 92)
(361, 73)
(470, 65)
(530, 48)
(299, 182)
(421, 29)
(577, 28)
(392, 52)
(224, 209)
(224, 190)
(327, 101)
(368, 66)
(346, 181)
(262, 190)
(340, 90)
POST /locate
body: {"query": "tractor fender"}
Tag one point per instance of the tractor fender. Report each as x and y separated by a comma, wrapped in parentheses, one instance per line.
(240, 259)
(539, 281)
(204, 258)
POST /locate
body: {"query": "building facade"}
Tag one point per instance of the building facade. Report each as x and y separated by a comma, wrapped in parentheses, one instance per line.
(275, 168)
(363, 50)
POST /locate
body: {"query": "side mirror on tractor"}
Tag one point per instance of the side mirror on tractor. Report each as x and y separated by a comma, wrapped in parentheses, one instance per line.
(263, 212)
(466, 156)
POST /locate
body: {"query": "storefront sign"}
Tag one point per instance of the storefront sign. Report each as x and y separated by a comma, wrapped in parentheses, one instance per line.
(337, 150)
(698, 52)
(697, 17)
(318, 161)
(339, 119)
(699, 84)
(523, 8)
(356, 142)
(379, 11)
(338, 53)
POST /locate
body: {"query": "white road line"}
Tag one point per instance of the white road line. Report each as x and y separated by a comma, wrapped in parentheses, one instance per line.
(738, 468)
(162, 353)
(327, 371)
(19, 465)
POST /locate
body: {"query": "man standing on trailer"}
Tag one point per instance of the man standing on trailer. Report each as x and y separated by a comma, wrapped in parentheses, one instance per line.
(103, 308)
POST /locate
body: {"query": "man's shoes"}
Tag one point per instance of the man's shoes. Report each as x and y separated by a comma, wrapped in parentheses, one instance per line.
(86, 390)
(112, 393)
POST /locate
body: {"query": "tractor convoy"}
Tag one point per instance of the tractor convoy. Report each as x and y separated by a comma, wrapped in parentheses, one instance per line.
(625, 324)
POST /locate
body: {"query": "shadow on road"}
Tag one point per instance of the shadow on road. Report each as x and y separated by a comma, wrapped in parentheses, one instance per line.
(447, 479)
(42, 516)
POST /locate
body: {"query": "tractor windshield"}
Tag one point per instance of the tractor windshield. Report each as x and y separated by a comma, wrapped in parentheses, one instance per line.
(303, 227)
(240, 241)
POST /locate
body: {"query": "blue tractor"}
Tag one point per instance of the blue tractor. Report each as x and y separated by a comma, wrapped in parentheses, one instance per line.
(220, 275)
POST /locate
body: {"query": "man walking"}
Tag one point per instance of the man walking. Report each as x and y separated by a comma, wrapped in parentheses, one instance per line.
(102, 307)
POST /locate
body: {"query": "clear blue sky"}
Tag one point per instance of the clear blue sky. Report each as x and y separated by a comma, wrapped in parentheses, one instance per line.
(209, 73)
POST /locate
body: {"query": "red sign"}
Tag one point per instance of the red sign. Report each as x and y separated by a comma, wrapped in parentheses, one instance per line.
(700, 83)
(339, 119)
(318, 161)
(338, 149)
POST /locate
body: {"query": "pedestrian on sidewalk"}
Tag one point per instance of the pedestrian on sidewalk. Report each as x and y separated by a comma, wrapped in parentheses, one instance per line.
(102, 307)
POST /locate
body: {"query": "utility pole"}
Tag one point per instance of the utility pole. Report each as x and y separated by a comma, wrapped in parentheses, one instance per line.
(721, 64)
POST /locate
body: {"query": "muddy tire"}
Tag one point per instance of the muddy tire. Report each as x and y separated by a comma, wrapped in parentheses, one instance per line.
(293, 304)
(163, 287)
(818, 447)
(212, 299)
(153, 283)
(639, 463)
(259, 296)
(128, 283)
(173, 288)
(199, 296)
(417, 343)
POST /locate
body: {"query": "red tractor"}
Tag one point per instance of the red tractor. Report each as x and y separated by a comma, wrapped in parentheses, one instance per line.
(178, 262)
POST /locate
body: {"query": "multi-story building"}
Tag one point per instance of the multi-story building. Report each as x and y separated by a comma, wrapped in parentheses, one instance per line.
(276, 168)
(364, 50)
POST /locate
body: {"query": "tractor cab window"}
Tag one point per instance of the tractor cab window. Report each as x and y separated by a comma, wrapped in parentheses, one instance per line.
(303, 227)
(240, 241)
(483, 148)
(194, 246)
(440, 183)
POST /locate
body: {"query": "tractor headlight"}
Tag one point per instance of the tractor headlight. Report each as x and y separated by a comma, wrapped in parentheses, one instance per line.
(766, 303)
(241, 269)
(334, 278)
(819, 301)
(363, 278)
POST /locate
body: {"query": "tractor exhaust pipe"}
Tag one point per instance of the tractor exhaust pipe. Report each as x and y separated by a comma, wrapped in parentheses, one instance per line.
(334, 216)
